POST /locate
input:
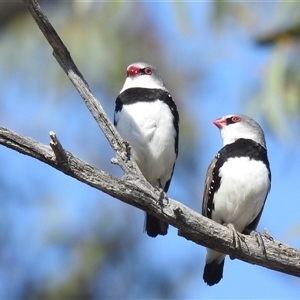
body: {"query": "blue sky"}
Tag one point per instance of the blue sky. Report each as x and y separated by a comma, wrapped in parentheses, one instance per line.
(232, 65)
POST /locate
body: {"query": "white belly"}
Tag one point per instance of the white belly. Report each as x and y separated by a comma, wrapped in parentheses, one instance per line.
(148, 127)
(242, 192)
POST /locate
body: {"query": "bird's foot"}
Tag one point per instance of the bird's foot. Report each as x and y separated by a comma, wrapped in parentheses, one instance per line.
(237, 237)
(162, 197)
(259, 240)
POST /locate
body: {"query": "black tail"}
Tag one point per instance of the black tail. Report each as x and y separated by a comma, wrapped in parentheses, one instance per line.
(213, 272)
(154, 226)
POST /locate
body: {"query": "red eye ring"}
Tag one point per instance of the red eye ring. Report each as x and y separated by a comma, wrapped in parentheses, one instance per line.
(148, 71)
(236, 119)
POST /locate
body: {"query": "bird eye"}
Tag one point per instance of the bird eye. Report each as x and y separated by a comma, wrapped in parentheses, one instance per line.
(148, 71)
(236, 119)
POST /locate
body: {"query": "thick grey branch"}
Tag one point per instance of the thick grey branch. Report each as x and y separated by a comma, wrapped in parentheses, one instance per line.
(139, 193)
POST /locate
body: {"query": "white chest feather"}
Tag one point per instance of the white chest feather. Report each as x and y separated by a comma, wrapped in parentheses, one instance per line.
(243, 190)
(148, 127)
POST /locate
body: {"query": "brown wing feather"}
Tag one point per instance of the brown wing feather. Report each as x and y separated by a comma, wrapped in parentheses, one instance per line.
(209, 177)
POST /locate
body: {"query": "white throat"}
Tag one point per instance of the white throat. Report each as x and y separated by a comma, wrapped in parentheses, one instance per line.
(143, 81)
(229, 136)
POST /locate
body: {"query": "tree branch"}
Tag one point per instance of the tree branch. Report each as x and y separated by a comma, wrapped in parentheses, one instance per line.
(132, 188)
(62, 55)
(141, 194)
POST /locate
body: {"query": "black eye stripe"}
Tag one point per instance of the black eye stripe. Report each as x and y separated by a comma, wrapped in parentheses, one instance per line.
(233, 119)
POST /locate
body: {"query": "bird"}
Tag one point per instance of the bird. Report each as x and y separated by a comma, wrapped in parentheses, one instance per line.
(237, 183)
(147, 117)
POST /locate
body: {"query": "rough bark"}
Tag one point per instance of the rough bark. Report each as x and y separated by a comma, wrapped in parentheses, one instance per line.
(132, 188)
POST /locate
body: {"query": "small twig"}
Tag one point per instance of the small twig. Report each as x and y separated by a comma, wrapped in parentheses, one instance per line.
(267, 234)
(114, 161)
(59, 152)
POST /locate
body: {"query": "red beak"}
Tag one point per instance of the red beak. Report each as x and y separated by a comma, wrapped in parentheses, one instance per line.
(133, 71)
(220, 122)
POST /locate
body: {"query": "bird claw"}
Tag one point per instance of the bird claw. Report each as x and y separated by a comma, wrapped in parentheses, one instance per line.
(237, 238)
(259, 240)
(162, 197)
